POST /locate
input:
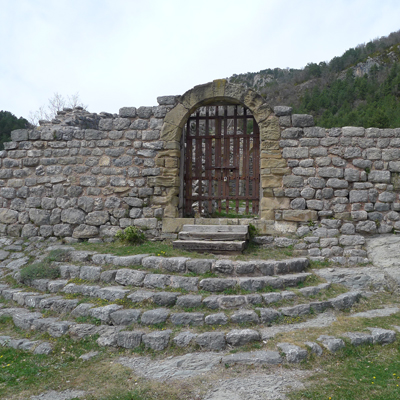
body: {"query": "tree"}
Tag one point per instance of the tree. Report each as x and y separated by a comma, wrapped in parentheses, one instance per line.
(56, 103)
(8, 123)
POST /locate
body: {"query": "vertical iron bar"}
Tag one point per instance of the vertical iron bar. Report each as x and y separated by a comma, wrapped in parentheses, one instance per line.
(208, 157)
(236, 157)
(246, 160)
(182, 173)
(256, 166)
(218, 156)
(188, 176)
(198, 163)
(226, 160)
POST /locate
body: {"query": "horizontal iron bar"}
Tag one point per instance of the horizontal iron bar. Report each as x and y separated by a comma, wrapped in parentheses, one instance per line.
(221, 117)
(242, 136)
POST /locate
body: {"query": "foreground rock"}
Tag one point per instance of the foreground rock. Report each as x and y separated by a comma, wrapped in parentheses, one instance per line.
(65, 395)
(258, 386)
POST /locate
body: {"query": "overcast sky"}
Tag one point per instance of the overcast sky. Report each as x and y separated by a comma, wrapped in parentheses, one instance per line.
(118, 53)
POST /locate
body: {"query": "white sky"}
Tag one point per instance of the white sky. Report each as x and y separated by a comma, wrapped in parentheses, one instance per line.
(118, 53)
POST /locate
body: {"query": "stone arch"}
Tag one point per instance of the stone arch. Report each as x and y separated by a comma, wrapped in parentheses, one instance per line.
(219, 91)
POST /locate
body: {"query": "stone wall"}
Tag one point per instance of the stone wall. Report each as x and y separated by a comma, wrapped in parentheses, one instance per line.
(86, 176)
(344, 184)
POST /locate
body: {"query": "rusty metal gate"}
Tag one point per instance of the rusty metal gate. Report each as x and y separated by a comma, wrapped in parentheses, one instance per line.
(221, 162)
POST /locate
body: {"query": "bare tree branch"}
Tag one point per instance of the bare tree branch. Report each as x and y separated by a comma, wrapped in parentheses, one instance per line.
(56, 103)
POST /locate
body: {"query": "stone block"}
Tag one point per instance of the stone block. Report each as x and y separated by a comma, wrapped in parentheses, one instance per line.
(186, 283)
(125, 317)
(216, 319)
(103, 313)
(299, 215)
(294, 354)
(193, 319)
(157, 340)
(199, 266)
(282, 110)
(165, 298)
(217, 284)
(214, 341)
(127, 112)
(183, 339)
(331, 343)
(129, 340)
(157, 281)
(156, 316)
(245, 316)
(302, 120)
(189, 301)
(241, 337)
(130, 277)
(295, 152)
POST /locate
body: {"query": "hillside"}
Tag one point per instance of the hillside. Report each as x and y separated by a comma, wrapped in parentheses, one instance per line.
(9, 122)
(361, 87)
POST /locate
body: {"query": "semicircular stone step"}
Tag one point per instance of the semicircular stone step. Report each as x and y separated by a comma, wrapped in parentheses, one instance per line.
(184, 265)
(163, 315)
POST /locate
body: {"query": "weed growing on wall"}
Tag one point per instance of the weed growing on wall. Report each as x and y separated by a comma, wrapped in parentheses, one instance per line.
(132, 235)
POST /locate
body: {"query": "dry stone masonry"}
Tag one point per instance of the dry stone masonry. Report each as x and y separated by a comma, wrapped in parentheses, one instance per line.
(87, 176)
(84, 175)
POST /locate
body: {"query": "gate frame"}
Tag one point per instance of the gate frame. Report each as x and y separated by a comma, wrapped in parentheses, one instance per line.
(241, 176)
(272, 167)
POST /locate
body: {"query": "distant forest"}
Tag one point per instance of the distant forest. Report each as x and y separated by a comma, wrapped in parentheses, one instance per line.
(8, 123)
(335, 92)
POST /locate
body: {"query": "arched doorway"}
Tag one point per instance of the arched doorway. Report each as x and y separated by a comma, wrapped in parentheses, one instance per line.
(220, 92)
(221, 151)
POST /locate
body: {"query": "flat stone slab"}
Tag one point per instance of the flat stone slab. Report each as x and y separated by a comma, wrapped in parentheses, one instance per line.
(258, 386)
(210, 246)
(181, 367)
(384, 251)
(243, 229)
(253, 358)
(382, 312)
(215, 236)
(65, 395)
(321, 321)
(355, 278)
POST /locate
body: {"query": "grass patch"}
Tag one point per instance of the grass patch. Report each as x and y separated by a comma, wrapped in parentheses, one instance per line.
(88, 320)
(156, 248)
(9, 280)
(254, 251)
(46, 268)
(320, 264)
(364, 372)
(43, 270)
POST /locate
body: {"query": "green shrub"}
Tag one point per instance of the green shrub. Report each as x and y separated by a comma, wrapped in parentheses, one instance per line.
(45, 269)
(132, 235)
(253, 231)
(41, 270)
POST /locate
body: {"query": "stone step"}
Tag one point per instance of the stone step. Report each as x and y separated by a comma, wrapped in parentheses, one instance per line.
(199, 266)
(140, 278)
(214, 233)
(114, 314)
(215, 340)
(118, 292)
(218, 236)
(34, 346)
(240, 229)
(209, 246)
